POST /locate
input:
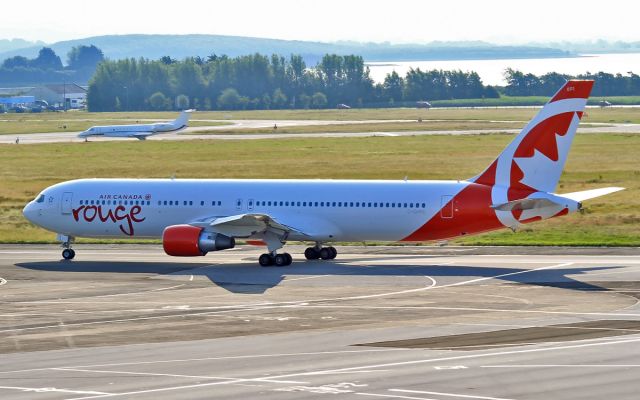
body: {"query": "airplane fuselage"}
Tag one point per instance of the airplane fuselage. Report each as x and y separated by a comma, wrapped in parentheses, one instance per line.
(324, 209)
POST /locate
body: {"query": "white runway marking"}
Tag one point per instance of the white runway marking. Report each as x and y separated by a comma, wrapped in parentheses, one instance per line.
(447, 394)
(394, 396)
(564, 366)
(284, 304)
(305, 277)
(505, 310)
(368, 367)
(220, 378)
(190, 360)
(2, 281)
(463, 357)
(52, 389)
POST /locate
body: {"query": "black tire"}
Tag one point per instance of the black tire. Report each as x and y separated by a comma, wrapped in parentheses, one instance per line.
(311, 253)
(325, 253)
(265, 260)
(68, 254)
(334, 252)
(289, 258)
(281, 260)
(73, 253)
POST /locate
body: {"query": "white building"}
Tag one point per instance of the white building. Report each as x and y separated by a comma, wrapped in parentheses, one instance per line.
(73, 95)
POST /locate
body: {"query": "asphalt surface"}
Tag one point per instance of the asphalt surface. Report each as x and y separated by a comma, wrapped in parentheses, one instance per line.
(379, 322)
(70, 137)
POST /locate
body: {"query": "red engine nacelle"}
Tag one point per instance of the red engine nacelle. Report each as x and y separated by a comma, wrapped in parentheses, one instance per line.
(191, 241)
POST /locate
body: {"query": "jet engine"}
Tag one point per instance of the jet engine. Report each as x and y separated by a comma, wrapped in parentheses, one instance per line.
(191, 241)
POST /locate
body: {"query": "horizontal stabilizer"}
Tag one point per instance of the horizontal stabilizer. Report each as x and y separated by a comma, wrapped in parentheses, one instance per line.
(590, 194)
(524, 204)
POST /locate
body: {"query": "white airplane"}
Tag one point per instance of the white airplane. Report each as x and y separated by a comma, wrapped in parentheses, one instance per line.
(194, 217)
(140, 131)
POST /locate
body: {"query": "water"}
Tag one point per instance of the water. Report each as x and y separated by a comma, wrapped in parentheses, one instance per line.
(491, 71)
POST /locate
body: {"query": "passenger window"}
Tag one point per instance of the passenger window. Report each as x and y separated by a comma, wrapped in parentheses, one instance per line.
(219, 203)
(171, 203)
(424, 205)
(334, 204)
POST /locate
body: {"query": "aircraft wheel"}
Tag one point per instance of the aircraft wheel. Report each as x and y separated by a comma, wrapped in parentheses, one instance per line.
(334, 252)
(311, 253)
(325, 253)
(68, 254)
(266, 260)
(281, 260)
(289, 258)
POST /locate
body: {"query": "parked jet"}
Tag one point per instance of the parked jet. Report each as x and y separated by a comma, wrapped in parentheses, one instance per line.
(194, 217)
(139, 131)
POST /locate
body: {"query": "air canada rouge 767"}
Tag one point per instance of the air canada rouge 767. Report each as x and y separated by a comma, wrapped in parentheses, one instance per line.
(194, 217)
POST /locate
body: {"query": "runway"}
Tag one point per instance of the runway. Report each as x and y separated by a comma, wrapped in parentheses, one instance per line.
(378, 322)
(192, 132)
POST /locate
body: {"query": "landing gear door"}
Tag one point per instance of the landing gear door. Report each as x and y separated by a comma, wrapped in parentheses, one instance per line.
(67, 197)
(446, 207)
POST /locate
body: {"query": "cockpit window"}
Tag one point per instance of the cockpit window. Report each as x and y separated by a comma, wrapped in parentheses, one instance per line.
(40, 199)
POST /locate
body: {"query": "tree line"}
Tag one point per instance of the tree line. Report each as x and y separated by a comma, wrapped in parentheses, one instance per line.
(47, 67)
(266, 82)
(606, 84)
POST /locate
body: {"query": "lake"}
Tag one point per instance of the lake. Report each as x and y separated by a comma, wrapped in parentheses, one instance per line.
(491, 71)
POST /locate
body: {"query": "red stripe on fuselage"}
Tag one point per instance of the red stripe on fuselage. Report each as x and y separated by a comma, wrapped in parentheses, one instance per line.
(472, 212)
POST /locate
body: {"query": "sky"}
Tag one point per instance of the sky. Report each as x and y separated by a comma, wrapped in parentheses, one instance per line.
(398, 21)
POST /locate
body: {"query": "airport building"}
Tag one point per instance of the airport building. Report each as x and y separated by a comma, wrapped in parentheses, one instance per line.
(68, 95)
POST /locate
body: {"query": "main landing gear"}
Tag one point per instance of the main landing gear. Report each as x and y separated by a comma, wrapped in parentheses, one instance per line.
(279, 260)
(325, 253)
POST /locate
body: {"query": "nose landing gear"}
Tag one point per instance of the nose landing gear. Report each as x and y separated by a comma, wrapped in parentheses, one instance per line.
(67, 253)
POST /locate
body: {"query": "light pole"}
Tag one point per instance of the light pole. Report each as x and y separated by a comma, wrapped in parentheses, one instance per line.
(126, 88)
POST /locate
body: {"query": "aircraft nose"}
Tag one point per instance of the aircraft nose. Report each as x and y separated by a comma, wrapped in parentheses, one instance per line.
(29, 211)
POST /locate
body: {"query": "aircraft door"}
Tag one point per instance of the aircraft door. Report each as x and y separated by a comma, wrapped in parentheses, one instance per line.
(250, 204)
(239, 204)
(67, 197)
(446, 207)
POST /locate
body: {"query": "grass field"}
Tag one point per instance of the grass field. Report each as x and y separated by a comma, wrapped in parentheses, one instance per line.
(20, 124)
(596, 160)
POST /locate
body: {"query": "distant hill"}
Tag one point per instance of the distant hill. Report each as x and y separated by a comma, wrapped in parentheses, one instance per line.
(181, 46)
(16, 44)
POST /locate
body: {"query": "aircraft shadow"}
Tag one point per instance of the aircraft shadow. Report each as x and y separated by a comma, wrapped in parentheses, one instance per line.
(253, 279)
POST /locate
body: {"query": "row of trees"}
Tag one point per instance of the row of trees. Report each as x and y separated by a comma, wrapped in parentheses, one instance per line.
(262, 82)
(48, 67)
(521, 84)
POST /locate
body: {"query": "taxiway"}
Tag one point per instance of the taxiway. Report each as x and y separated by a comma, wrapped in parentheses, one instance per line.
(378, 322)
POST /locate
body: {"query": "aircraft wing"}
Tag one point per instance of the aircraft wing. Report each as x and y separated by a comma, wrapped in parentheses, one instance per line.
(247, 225)
(140, 135)
(258, 225)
